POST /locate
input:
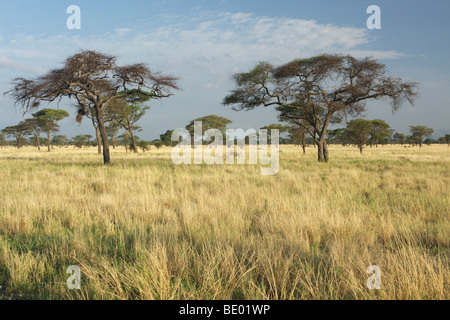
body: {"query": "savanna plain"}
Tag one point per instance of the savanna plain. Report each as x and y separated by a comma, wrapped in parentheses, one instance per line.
(144, 228)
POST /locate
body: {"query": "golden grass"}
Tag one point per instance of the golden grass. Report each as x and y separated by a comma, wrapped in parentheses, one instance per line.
(144, 228)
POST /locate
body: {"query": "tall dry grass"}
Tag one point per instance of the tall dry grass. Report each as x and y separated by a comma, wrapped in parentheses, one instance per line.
(144, 228)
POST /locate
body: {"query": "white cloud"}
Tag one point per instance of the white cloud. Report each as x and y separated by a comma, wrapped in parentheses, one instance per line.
(14, 65)
(122, 31)
(217, 40)
(390, 54)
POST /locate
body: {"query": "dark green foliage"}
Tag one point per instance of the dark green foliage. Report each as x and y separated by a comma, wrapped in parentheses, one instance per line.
(358, 132)
(419, 132)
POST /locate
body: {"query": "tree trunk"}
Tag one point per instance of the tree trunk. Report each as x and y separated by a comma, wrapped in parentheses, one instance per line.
(322, 142)
(304, 143)
(113, 141)
(133, 139)
(104, 136)
(320, 154)
(322, 151)
(97, 134)
(99, 142)
(325, 151)
(38, 143)
(360, 149)
(48, 142)
(319, 151)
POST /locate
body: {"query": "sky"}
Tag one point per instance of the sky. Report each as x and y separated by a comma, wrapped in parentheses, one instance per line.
(205, 42)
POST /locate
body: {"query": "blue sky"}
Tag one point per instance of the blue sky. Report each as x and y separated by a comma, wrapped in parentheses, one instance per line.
(205, 42)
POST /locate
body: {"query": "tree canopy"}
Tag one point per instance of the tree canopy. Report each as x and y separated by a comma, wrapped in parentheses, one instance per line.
(419, 132)
(127, 112)
(47, 119)
(319, 90)
(210, 122)
(358, 132)
(94, 77)
(18, 132)
(380, 131)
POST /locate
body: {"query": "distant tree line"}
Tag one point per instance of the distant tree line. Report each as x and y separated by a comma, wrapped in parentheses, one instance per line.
(122, 128)
(360, 133)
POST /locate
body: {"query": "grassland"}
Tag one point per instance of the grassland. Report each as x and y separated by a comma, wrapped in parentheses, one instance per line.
(144, 228)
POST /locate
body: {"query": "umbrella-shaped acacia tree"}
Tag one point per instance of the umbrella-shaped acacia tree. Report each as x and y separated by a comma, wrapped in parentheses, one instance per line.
(95, 77)
(319, 90)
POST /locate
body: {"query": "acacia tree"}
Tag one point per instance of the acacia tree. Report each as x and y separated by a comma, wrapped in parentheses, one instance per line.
(97, 78)
(298, 137)
(429, 141)
(298, 130)
(419, 132)
(358, 132)
(34, 125)
(144, 145)
(166, 138)
(337, 136)
(127, 112)
(399, 138)
(124, 140)
(276, 126)
(48, 121)
(18, 132)
(380, 131)
(112, 130)
(60, 140)
(79, 141)
(88, 137)
(318, 89)
(209, 122)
